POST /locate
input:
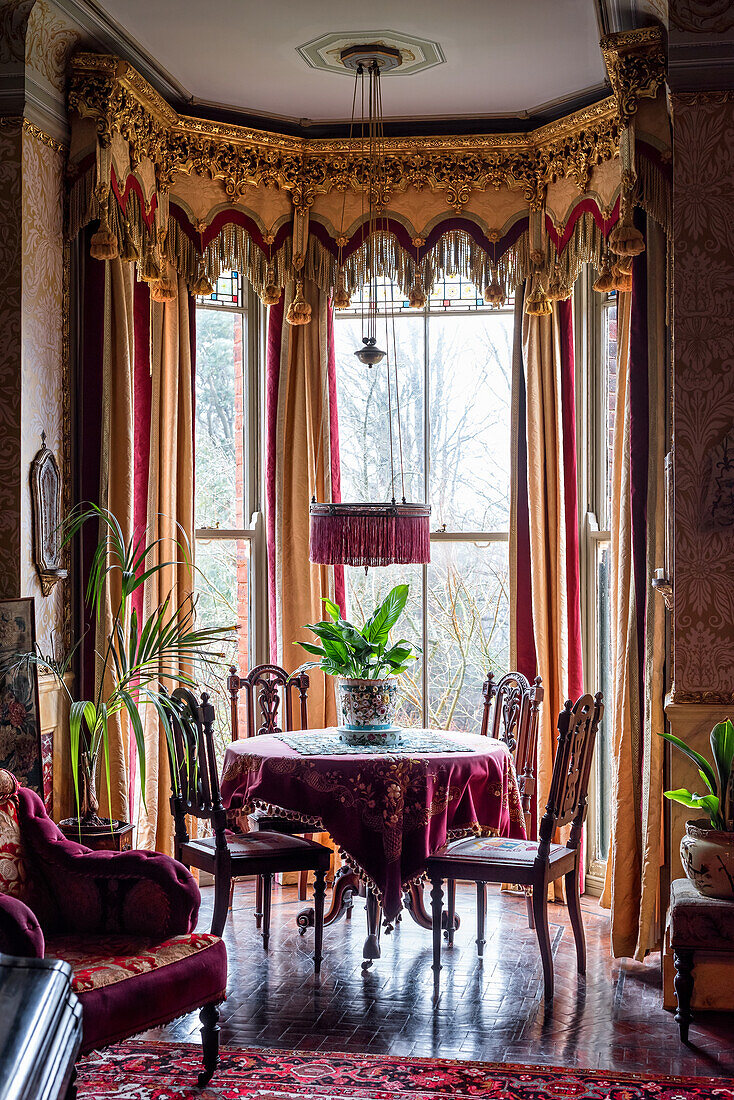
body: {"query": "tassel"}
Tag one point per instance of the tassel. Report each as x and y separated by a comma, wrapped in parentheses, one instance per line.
(270, 294)
(621, 278)
(163, 290)
(417, 295)
(558, 291)
(494, 295)
(299, 311)
(103, 245)
(202, 288)
(341, 299)
(626, 239)
(129, 251)
(149, 270)
(604, 280)
(537, 304)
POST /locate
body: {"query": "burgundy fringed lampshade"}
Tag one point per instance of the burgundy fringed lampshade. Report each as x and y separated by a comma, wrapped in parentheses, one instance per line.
(370, 534)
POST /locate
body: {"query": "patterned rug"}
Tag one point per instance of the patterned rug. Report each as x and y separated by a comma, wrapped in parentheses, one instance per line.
(167, 1071)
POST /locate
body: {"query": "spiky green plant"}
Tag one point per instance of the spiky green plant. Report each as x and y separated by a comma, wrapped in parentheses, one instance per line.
(142, 659)
(718, 803)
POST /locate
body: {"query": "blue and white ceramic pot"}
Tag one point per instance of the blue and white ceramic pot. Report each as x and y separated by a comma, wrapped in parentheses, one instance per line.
(367, 710)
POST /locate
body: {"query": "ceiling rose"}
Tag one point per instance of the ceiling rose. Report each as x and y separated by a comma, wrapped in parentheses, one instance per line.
(416, 54)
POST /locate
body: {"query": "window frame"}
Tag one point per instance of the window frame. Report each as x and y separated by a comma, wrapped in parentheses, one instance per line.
(594, 523)
(441, 535)
(253, 319)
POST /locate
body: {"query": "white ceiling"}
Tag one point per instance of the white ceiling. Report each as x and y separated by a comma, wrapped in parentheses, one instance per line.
(503, 57)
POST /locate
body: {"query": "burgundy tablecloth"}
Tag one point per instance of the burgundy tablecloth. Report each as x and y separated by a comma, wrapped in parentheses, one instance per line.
(387, 813)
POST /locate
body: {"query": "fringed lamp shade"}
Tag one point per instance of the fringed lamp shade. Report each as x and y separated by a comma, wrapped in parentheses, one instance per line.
(370, 534)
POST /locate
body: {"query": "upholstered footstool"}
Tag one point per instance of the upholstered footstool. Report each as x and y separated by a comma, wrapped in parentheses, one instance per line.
(696, 925)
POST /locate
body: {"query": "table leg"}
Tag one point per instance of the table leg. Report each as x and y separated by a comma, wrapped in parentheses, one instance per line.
(414, 902)
(371, 949)
(347, 886)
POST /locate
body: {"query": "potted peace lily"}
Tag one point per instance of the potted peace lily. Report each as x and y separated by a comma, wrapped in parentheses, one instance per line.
(365, 665)
(707, 849)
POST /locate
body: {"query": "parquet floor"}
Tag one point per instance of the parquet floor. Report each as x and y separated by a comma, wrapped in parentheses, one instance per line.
(492, 1011)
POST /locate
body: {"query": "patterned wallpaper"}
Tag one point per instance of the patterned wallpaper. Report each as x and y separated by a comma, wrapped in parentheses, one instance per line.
(703, 213)
(11, 139)
(42, 353)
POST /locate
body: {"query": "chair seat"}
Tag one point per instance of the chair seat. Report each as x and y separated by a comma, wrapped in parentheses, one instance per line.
(699, 922)
(126, 985)
(498, 850)
(98, 961)
(257, 850)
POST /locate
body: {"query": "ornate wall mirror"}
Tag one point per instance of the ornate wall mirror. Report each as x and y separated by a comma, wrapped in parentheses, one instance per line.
(46, 503)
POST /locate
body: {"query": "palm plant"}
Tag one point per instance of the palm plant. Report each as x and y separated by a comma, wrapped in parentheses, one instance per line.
(142, 658)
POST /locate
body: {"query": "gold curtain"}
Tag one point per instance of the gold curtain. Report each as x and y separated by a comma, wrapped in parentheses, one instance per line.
(171, 518)
(546, 506)
(300, 422)
(633, 866)
(116, 492)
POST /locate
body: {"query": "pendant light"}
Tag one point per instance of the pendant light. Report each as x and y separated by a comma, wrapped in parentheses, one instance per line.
(373, 533)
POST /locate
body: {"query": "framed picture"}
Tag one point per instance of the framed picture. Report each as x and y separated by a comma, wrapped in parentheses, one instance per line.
(20, 719)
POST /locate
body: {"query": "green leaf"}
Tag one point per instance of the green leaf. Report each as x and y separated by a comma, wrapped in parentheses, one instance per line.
(332, 608)
(722, 747)
(311, 648)
(707, 802)
(381, 622)
(700, 761)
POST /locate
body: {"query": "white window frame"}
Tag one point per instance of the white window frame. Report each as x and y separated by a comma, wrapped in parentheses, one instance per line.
(440, 535)
(253, 318)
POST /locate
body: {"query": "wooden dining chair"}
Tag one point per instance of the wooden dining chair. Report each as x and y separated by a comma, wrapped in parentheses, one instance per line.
(271, 698)
(529, 862)
(224, 855)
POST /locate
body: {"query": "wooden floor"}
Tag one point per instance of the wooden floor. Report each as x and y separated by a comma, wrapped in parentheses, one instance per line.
(492, 1011)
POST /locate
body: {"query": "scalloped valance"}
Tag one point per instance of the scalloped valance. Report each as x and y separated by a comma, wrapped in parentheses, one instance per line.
(497, 208)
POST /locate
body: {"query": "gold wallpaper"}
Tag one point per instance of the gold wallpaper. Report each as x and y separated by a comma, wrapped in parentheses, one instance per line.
(42, 353)
(11, 137)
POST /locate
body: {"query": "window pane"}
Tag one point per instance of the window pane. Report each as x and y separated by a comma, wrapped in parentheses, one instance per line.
(468, 628)
(223, 591)
(470, 394)
(220, 419)
(364, 593)
(364, 437)
(604, 666)
(609, 402)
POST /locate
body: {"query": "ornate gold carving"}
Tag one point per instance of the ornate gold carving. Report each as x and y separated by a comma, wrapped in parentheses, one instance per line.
(118, 99)
(44, 138)
(635, 62)
(703, 698)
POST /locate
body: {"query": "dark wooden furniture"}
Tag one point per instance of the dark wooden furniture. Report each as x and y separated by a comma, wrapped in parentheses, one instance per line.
(514, 720)
(40, 1030)
(531, 863)
(271, 698)
(224, 855)
(119, 838)
(696, 925)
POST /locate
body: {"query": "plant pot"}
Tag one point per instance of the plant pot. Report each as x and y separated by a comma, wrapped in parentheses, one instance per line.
(367, 709)
(708, 859)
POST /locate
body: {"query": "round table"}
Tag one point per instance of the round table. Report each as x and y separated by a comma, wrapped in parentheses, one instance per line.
(386, 810)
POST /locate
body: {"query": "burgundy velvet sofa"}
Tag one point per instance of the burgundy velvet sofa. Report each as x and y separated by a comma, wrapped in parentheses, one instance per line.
(123, 921)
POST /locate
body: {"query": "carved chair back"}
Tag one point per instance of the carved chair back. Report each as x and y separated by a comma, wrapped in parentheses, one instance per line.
(514, 720)
(567, 802)
(194, 769)
(269, 700)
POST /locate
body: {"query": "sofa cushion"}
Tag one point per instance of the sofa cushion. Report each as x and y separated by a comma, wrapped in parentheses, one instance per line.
(13, 865)
(98, 961)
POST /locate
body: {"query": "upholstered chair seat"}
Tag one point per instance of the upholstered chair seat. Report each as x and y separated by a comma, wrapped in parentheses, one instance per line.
(123, 921)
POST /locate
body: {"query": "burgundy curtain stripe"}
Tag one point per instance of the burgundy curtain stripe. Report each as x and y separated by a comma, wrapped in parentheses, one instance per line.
(526, 655)
(89, 418)
(272, 368)
(570, 494)
(639, 451)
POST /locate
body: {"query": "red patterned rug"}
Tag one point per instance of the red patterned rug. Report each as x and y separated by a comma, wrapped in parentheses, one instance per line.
(167, 1071)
